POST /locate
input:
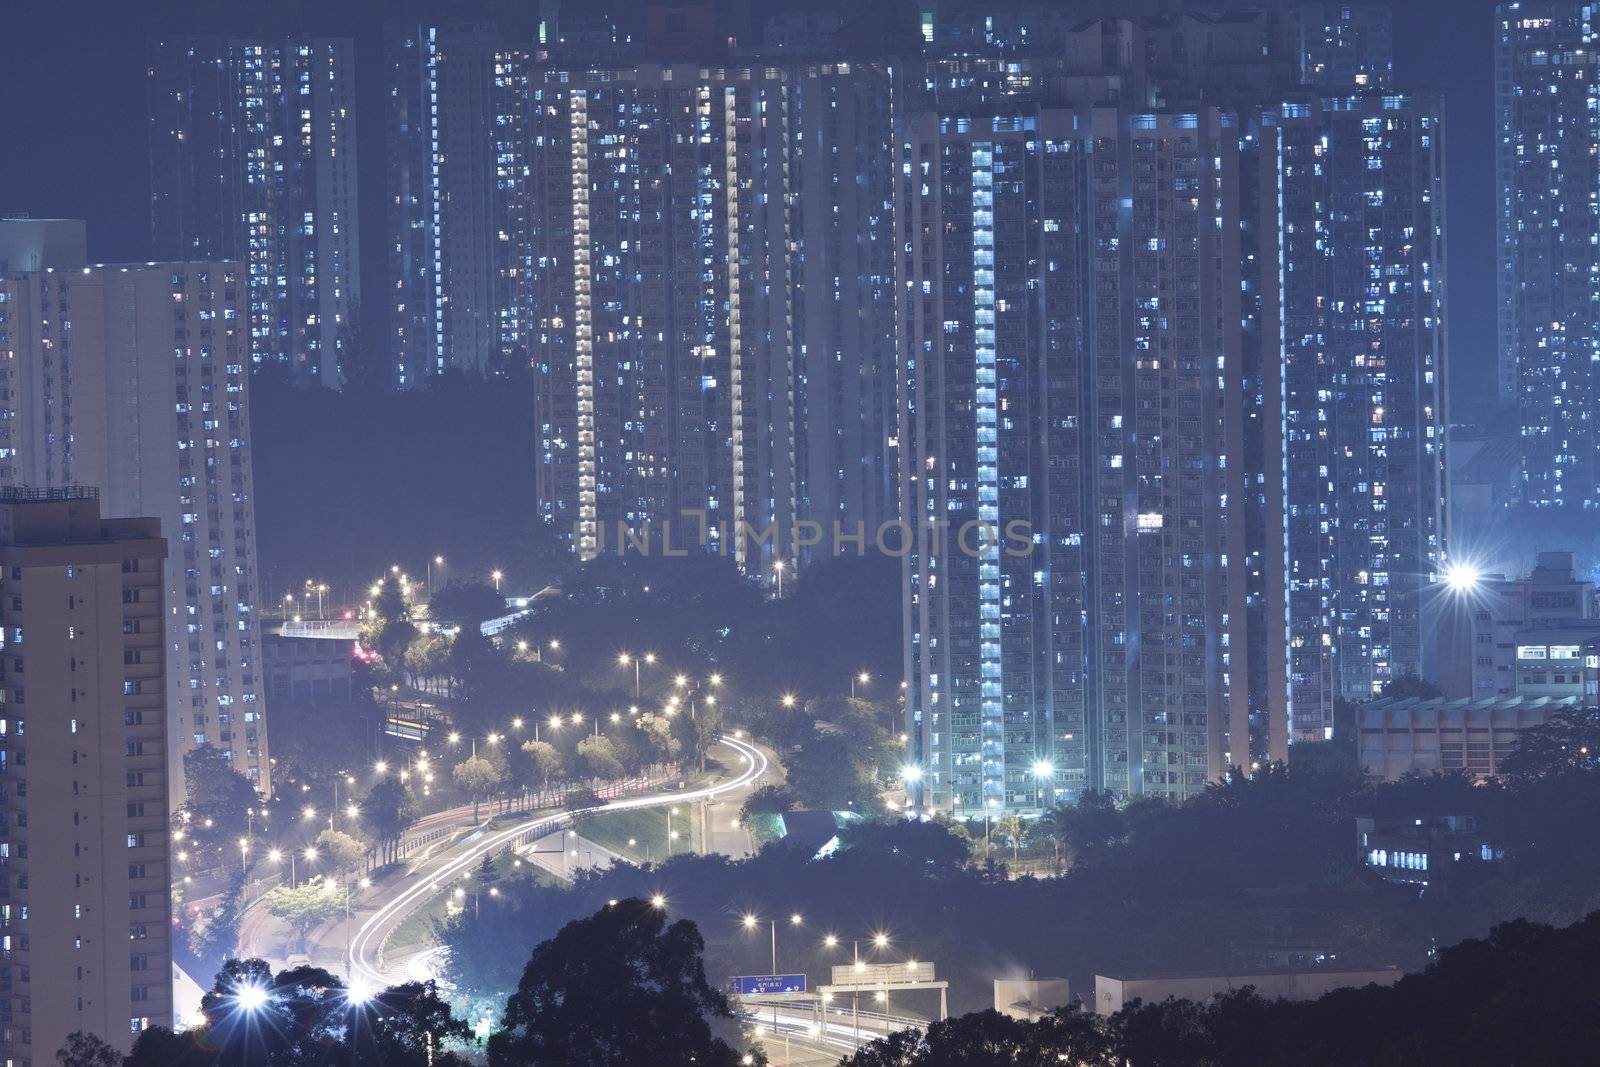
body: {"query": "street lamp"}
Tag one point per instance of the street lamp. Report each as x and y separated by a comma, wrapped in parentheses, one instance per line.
(496, 577)
(1462, 577)
(788, 700)
(879, 940)
(317, 588)
(625, 658)
(1044, 771)
(436, 561)
(777, 568)
(863, 678)
(250, 998)
(751, 922)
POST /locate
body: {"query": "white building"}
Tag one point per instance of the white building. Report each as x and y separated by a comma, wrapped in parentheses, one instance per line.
(1474, 623)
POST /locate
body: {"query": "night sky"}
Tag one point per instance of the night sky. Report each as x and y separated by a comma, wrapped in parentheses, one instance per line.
(72, 124)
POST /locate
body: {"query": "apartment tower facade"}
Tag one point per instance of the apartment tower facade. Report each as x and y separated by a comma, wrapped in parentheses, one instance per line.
(84, 765)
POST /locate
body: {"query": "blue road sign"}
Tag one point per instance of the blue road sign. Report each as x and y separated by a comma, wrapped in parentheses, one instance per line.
(756, 984)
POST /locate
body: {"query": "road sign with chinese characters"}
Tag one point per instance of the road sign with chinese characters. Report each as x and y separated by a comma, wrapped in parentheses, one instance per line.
(754, 985)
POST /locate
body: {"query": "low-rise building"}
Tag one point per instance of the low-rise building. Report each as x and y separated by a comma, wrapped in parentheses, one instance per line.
(1112, 994)
(1414, 736)
(1030, 999)
(1559, 661)
(308, 668)
(1423, 849)
(1475, 620)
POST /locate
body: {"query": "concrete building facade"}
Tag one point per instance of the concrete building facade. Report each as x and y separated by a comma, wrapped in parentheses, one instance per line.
(1072, 368)
(705, 299)
(135, 380)
(1547, 76)
(253, 159)
(1475, 626)
(85, 761)
(439, 169)
(1397, 737)
(1364, 390)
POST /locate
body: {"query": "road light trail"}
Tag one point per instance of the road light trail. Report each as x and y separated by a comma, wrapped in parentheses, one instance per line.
(368, 939)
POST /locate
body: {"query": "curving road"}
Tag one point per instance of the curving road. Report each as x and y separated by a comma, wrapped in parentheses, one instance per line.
(366, 943)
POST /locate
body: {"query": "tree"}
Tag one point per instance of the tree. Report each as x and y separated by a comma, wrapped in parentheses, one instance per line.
(84, 1049)
(988, 1037)
(1569, 741)
(388, 810)
(304, 1017)
(427, 658)
(391, 639)
(340, 852)
(598, 759)
(698, 730)
(1009, 826)
(928, 847)
(219, 797)
(409, 1027)
(544, 760)
(657, 732)
(768, 800)
(306, 906)
(1089, 826)
(825, 774)
(477, 777)
(616, 989)
(468, 603)
(214, 934)
(390, 603)
(1410, 685)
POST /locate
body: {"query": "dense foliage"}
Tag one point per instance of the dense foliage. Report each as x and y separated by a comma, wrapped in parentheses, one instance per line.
(623, 986)
(618, 988)
(1201, 886)
(305, 1017)
(1525, 994)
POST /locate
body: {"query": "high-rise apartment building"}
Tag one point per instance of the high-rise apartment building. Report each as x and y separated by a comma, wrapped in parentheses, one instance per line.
(253, 158)
(1346, 44)
(1181, 315)
(701, 252)
(135, 380)
(1546, 81)
(440, 173)
(1073, 361)
(1364, 295)
(85, 910)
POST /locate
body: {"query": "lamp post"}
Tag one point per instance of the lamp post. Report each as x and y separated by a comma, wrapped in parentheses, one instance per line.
(777, 569)
(436, 561)
(750, 923)
(1043, 771)
(626, 658)
(863, 678)
(911, 775)
(879, 940)
(991, 803)
(496, 577)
